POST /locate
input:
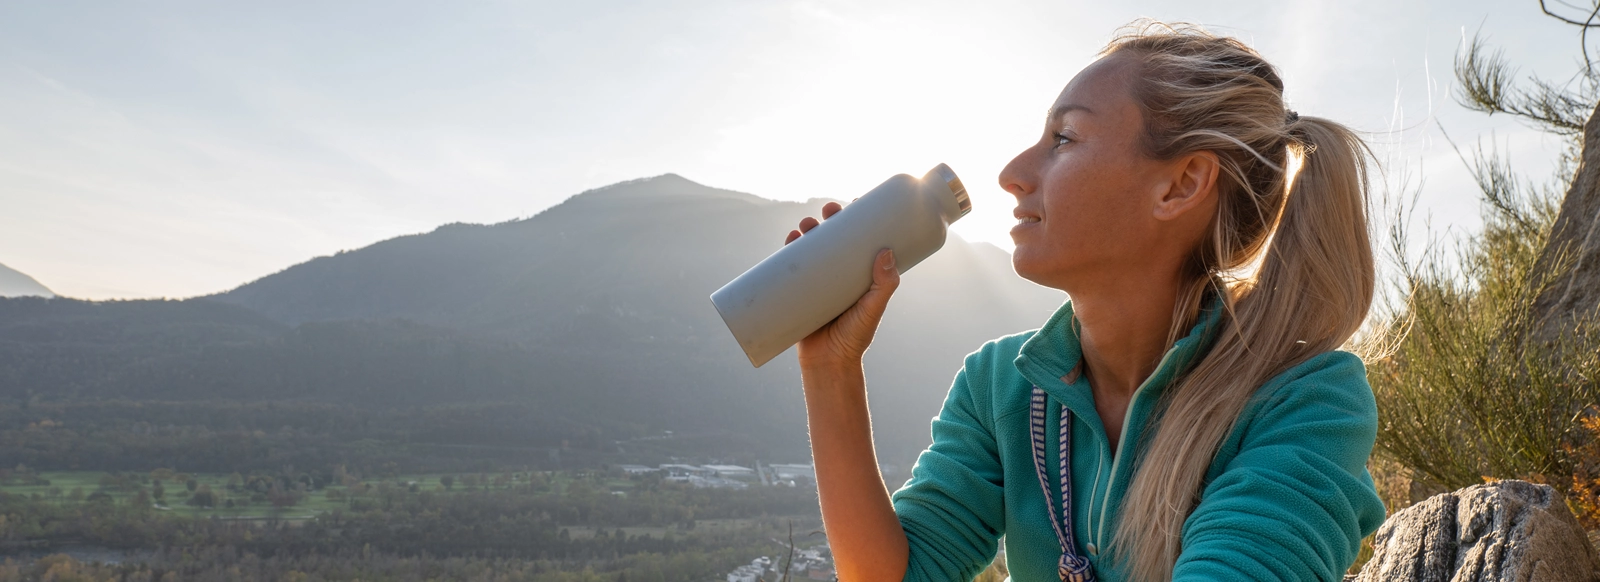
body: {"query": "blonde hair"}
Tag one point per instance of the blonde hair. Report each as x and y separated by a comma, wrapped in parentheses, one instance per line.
(1306, 228)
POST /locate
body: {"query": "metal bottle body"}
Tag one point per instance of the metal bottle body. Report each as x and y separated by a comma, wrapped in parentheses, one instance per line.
(810, 281)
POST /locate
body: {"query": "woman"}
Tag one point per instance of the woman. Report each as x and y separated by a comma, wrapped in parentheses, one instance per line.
(1214, 247)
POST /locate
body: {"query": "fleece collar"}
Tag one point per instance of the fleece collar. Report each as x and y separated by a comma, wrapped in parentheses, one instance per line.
(1050, 358)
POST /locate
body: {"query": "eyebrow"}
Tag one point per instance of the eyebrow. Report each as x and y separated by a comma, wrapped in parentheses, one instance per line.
(1068, 108)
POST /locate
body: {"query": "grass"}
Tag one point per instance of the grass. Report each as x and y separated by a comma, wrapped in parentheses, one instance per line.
(63, 483)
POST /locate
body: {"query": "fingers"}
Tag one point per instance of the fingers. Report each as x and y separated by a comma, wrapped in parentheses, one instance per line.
(808, 223)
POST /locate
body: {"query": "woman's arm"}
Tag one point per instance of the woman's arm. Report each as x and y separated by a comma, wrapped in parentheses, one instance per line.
(1294, 499)
(863, 531)
(944, 524)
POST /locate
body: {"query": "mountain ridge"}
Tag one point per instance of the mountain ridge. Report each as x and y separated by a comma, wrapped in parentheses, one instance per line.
(595, 310)
(14, 283)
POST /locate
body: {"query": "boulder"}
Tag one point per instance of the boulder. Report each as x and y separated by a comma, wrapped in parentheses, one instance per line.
(1501, 531)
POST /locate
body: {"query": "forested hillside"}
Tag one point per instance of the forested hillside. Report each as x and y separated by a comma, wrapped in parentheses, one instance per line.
(592, 318)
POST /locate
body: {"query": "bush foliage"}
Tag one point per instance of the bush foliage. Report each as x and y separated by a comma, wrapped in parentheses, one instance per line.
(1473, 387)
(1467, 391)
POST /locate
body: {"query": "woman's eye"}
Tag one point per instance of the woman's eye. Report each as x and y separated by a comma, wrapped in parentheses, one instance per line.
(1061, 140)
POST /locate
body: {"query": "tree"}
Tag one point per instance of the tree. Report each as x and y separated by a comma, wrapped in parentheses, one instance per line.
(203, 497)
(280, 498)
(1493, 360)
(447, 481)
(1570, 259)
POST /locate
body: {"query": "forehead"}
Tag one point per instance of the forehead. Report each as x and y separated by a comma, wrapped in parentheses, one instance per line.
(1103, 88)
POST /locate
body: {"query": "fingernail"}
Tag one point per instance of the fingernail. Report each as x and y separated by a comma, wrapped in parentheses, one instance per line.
(889, 262)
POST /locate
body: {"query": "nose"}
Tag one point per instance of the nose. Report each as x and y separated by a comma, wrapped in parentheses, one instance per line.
(1020, 177)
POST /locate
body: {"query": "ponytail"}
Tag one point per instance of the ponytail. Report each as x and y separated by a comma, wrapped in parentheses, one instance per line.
(1319, 266)
(1292, 196)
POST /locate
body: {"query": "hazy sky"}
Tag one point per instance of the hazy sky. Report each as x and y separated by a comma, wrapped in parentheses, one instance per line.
(153, 149)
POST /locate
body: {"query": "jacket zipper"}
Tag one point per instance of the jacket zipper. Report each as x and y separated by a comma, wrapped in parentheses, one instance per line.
(1094, 491)
(1099, 534)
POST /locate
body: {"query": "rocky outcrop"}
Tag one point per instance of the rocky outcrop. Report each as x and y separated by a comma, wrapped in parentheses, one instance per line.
(1574, 294)
(1500, 531)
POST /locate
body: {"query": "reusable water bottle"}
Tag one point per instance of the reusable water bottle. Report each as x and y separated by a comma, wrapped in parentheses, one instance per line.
(812, 280)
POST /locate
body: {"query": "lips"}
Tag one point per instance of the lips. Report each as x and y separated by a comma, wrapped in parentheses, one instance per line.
(1025, 221)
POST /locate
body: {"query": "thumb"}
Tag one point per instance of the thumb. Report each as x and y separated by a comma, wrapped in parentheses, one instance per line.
(885, 279)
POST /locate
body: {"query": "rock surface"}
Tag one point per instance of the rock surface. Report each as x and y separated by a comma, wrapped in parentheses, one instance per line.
(1501, 531)
(1575, 294)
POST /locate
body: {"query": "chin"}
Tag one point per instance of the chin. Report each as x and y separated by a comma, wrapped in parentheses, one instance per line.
(1024, 267)
(1038, 270)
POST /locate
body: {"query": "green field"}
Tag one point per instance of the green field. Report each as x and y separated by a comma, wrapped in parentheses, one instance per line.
(69, 487)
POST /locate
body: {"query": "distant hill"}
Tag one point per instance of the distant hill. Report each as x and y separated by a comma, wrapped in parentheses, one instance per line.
(594, 311)
(14, 283)
(621, 275)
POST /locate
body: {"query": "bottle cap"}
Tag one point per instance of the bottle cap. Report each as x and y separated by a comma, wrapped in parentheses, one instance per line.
(949, 177)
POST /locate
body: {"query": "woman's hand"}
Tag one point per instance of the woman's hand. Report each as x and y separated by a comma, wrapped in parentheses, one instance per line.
(868, 542)
(845, 339)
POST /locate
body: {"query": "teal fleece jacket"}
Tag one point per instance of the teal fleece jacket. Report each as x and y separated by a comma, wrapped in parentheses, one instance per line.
(1287, 497)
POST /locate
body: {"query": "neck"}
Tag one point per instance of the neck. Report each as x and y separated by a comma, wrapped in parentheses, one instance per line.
(1124, 327)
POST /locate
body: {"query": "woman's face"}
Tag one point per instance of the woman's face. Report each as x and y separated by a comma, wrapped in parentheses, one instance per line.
(1087, 194)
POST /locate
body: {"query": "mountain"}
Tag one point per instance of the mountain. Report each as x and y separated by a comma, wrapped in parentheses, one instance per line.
(14, 283)
(619, 279)
(595, 312)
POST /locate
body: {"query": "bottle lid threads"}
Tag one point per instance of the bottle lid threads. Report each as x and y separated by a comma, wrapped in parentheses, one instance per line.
(956, 188)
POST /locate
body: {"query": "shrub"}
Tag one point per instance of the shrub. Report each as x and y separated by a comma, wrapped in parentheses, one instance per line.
(1467, 392)
(1474, 387)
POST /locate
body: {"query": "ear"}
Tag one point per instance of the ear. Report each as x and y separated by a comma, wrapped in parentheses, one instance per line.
(1193, 183)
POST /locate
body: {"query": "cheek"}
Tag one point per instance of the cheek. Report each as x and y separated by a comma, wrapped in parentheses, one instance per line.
(1092, 215)
(1088, 207)
(1064, 240)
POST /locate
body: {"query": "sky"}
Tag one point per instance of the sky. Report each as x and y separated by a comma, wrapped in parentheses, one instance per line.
(175, 149)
